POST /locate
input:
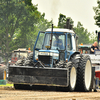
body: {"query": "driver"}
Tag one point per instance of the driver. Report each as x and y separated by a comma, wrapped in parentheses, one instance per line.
(58, 42)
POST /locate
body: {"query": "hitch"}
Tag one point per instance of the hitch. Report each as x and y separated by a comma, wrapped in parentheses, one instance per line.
(38, 64)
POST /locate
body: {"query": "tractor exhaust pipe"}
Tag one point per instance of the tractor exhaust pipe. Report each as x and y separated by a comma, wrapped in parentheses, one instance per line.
(51, 36)
(51, 31)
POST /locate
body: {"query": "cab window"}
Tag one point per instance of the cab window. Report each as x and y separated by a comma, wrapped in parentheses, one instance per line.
(69, 43)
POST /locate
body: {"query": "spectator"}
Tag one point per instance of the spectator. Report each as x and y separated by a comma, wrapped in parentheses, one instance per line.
(93, 48)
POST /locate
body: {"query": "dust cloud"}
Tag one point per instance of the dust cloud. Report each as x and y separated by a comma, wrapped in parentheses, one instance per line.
(55, 6)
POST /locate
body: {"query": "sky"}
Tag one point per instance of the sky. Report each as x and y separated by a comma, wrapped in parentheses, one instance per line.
(78, 10)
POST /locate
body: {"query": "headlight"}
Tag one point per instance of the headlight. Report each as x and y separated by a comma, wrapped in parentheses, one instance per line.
(36, 55)
(53, 54)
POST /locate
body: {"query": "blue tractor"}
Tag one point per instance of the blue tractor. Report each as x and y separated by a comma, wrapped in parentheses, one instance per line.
(54, 61)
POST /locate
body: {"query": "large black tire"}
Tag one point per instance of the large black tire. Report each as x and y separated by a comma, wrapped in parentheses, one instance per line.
(26, 62)
(72, 76)
(84, 74)
(20, 62)
(29, 60)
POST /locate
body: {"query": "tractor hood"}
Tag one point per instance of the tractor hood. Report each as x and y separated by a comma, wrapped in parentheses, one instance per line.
(47, 57)
(54, 51)
(49, 52)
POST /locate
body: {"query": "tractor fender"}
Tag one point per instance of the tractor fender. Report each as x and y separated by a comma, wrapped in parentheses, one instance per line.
(73, 56)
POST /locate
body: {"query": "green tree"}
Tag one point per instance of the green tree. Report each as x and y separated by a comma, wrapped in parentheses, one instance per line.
(12, 13)
(82, 33)
(43, 24)
(29, 28)
(93, 38)
(62, 21)
(28, 2)
(97, 13)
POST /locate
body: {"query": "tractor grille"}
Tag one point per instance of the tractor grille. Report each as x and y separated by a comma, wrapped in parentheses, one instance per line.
(45, 59)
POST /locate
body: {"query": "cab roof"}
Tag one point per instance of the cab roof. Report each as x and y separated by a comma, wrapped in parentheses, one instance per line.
(60, 30)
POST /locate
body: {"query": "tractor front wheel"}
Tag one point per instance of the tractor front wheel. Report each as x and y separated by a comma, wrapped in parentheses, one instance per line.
(72, 76)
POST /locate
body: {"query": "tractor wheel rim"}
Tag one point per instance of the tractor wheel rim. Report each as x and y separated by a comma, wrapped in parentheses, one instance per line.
(73, 77)
(88, 75)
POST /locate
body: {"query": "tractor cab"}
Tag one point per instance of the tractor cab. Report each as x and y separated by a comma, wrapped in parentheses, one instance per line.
(52, 47)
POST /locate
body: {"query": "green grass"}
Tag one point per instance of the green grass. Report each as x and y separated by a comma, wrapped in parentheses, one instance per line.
(7, 85)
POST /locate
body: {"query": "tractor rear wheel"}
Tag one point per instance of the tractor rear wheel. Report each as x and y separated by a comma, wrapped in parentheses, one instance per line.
(84, 74)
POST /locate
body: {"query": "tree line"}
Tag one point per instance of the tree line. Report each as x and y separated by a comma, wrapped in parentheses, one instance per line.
(20, 22)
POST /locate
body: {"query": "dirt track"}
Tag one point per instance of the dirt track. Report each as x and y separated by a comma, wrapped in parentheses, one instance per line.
(7, 93)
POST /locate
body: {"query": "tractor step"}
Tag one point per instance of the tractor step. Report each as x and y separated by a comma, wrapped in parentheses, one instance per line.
(43, 76)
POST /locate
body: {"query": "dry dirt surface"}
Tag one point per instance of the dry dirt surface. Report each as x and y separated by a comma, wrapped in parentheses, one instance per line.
(9, 93)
